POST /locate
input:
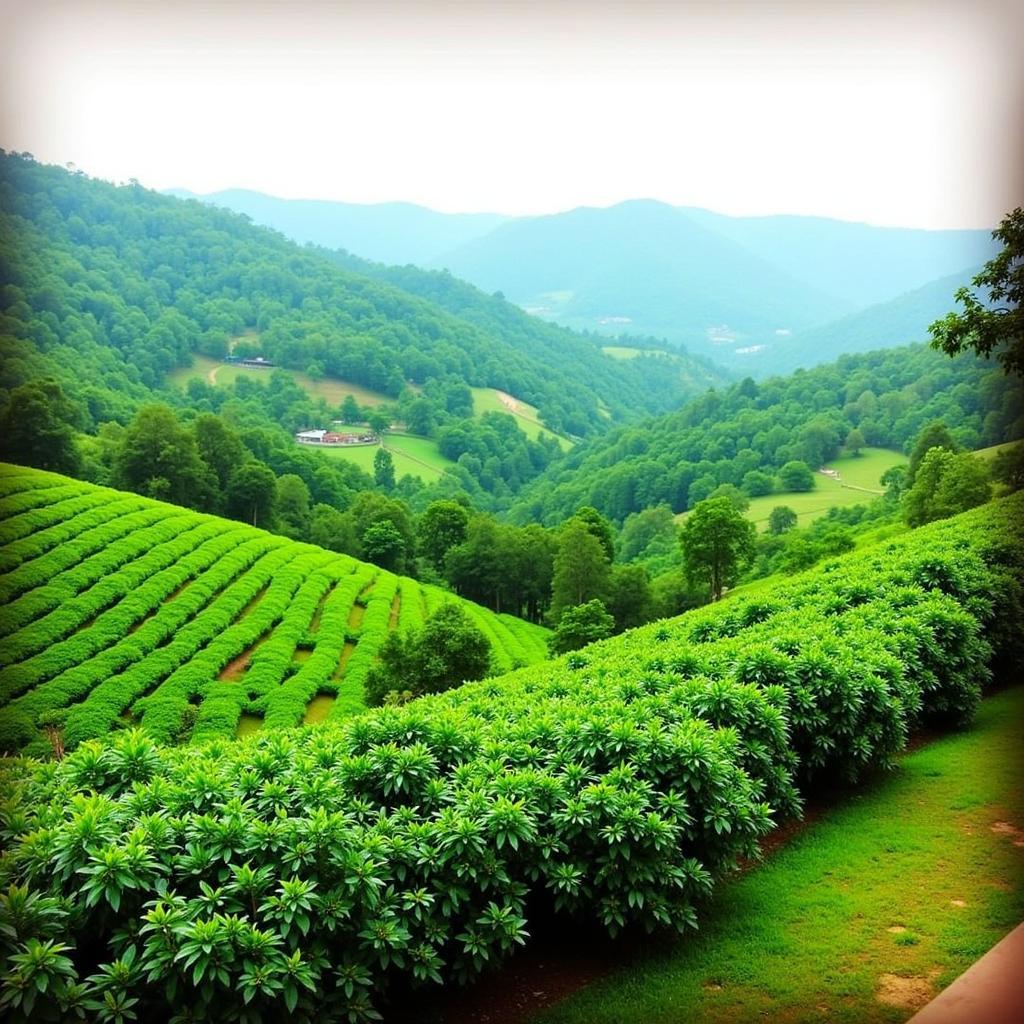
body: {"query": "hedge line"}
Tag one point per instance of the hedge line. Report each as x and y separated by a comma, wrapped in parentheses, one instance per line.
(67, 569)
(301, 872)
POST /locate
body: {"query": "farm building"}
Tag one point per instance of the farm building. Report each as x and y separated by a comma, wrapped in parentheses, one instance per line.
(333, 438)
(257, 362)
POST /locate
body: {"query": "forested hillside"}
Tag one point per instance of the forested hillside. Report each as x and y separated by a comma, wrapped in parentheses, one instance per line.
(108, 289)
(747, 433)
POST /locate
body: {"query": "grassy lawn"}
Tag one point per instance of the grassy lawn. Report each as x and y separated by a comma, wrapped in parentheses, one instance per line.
(489, 400)
(914, 876)
(862, 471)
(331, 389)
(417, 456)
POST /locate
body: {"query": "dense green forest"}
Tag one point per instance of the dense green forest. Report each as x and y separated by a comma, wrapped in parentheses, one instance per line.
(747, 434)
(109, 288)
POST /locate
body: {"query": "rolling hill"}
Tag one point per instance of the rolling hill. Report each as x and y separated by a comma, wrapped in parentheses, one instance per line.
(900, 321)
(119, 610)
(114, 287)
(711, 282)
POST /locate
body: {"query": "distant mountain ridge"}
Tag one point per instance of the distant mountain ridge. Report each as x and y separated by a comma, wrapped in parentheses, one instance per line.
(388, 232)
(743, 291)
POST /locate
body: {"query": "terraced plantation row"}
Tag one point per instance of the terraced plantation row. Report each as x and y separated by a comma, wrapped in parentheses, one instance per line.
(117, 610)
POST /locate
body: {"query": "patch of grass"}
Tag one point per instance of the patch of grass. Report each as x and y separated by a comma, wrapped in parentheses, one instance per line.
(991, 452)
(489, 400)
(417, 456)
(332, 389)
(624, 352)
(858, 484)
(907, 877)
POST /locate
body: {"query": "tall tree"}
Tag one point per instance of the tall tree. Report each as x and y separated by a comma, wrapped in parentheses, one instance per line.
(293, 506)
(946, 483)
(384, 469)
(220, 448)
(933, 435)
(252, 492)
(717, 542)
(994, 325)
(581, 570)
(159, 458)
(442, 526)
(600, 527)
(36, 428)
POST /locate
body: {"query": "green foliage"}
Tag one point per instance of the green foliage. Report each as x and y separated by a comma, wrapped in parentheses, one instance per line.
(299, 872)
(992, 325)
(945, 484)
(680, 458)
(36, 427)
(796, 476)
(118, 611)
(781, 520)
(581, 568)
(717, 542)
(442, 526)
(933, 435)
(448, 650)
(581, 625)
(383, 469)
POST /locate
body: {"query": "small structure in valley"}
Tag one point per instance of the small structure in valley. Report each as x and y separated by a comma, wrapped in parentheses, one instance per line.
(331, 438)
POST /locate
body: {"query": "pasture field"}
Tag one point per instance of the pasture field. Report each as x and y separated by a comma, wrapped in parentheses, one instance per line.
(417, 456)
(624, 352)
(858, 484)
(491, 400)
(116, 610)
(331, 389)
(993, 450)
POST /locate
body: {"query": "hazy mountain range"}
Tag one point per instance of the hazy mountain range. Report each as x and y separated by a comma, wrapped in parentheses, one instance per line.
(758, 294)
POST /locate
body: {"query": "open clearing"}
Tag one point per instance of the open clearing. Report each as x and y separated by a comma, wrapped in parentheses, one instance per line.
(866, 913)
(331, 389)
(417, 456)
(858, 483)
(492, 400)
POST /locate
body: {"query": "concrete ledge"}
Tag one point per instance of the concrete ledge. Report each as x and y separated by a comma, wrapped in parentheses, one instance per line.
(989, 992)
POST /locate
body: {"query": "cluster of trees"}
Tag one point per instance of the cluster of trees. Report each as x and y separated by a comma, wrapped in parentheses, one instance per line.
(755, 436)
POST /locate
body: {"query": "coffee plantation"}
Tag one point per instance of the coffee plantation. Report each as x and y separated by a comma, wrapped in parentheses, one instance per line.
(307, 871)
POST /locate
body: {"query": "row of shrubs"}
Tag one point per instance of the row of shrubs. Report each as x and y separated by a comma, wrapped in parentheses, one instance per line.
(60, 637)
(103, 686)
(14, 552)
(306, 871)
(57, 514)
(70, 568)
(285, 705)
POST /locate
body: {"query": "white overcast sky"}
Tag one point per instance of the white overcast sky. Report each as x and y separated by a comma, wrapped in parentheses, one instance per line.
(904, 113)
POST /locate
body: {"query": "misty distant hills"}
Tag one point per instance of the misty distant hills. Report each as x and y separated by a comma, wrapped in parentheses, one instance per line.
(389, 232)
(900, 321)
(756, 294)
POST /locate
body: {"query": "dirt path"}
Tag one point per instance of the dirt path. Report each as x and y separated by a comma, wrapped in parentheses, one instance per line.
(212, 375)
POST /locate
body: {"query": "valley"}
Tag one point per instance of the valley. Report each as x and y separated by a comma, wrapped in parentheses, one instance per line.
(357, 625)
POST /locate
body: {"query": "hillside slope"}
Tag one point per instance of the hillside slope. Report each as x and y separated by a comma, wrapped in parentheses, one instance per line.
(110, 288)
(900, 321)
(121, 610)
